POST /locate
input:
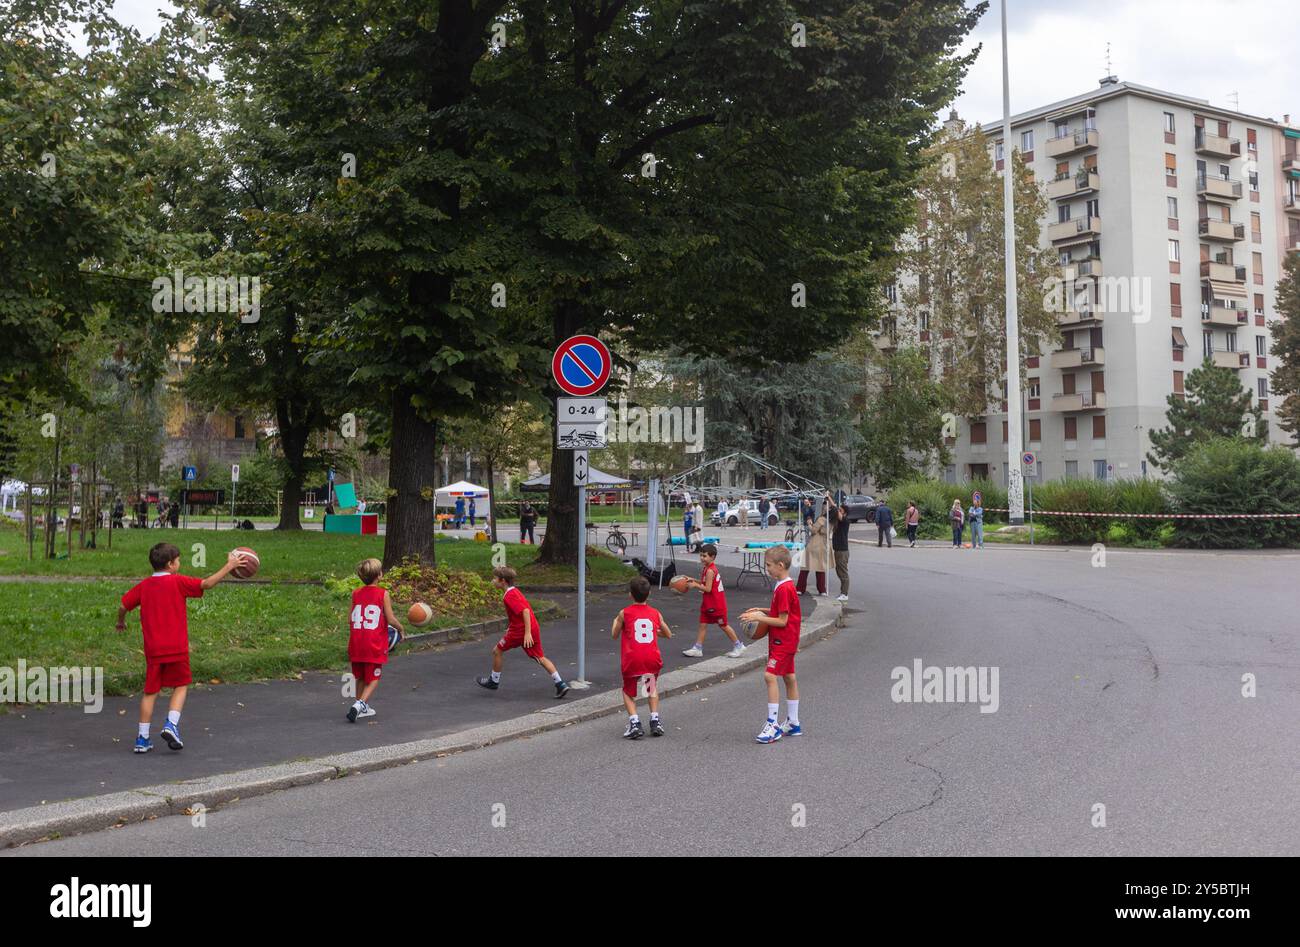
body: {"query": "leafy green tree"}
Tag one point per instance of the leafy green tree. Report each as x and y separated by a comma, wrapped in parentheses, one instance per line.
(501, 439)
(1215, 406)
(954, 268)
(1285, 379)
(902, 430)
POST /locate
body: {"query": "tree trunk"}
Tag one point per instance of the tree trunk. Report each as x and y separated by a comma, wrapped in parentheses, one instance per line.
(560, 546)
(412, 482)
(293, 444)
(492, 498)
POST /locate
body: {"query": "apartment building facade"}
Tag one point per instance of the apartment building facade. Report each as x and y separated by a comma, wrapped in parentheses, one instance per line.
(1171, 219)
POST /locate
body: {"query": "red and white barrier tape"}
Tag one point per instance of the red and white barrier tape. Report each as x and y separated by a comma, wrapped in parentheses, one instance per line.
(1162, 516)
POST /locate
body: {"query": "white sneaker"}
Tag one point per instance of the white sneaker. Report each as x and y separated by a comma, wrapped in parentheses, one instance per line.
(737, 650)
(694, 651)
(842, 598)
(366, 711)
(770, 733)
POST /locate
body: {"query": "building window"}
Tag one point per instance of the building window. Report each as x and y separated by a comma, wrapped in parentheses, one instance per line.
(1176, 300)
(1071, 429)
(1263, 386)
(891, 292)
(1174, 255)
(1256, 228)
(1173, 207)
(1257, 267)
(1099, 469)
(1251, 143)
(1253, 177)
(1033, 388)
(1071, 469)
(1099, 427)
(1259, 304)
(1004, 432)
(979, 433)
(1207, 342)
(1171, 164)
(1169, 122)
(1178, 383)
(1027, 140)
(1035, 429)
(1261, 345)
(997, 151)
(925, 321)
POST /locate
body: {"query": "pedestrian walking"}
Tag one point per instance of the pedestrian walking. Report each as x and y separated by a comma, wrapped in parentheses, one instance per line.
(838, 518)
(174, 514)
(976, 517)
(958, 520)
(912, 519)
(473, 512)
(764, 507)
(885, 525)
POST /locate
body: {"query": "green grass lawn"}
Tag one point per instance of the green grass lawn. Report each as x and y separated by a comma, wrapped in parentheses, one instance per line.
(237, 632)
(285, 556)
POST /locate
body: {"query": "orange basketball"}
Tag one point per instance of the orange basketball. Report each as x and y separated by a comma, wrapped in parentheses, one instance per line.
(679, 584)
(419, 614)
(250, 565)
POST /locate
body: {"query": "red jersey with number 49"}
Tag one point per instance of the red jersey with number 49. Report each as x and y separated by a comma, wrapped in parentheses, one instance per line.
(369, 641)
(714, 597)
(641, 640)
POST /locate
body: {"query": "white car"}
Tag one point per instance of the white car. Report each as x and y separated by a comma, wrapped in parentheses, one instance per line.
(733, 514)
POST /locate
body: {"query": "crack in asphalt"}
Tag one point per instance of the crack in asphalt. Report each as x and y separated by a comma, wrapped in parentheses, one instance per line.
(935, 796)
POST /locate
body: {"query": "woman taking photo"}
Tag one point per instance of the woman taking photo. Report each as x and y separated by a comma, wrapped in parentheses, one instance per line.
(958, 520)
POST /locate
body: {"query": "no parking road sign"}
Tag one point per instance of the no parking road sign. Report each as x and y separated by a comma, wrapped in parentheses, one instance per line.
(1029, 459)
(581, 365)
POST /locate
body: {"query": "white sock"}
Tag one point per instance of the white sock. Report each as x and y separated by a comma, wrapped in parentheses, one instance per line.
(634, 719)
(771, 712)
(496, 677)
(174, 717)
(792, 711)
(144, 730)
(556, 677)
(654, 715)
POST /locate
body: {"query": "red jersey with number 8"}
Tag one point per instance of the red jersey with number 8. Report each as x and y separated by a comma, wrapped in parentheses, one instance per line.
(369, 641)
(641, 640)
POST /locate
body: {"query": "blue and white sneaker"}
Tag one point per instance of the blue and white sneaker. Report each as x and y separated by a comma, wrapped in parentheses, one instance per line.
(770, 733)
(791, 729)
(143, 744)
(172, 734)
(394, 638)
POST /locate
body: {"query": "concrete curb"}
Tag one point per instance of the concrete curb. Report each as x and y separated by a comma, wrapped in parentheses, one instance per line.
(95, 813)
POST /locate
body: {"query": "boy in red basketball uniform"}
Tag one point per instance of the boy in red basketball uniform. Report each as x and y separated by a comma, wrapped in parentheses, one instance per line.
(165, 626)
(780, 623)
(713, 605)
(370, 620)
(522, 631)
(641, 626)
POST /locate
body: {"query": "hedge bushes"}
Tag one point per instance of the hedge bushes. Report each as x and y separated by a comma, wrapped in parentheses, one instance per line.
(1229, 476)
(1224, 476)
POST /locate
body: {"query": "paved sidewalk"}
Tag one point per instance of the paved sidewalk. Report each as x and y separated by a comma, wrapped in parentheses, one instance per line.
(55, 752)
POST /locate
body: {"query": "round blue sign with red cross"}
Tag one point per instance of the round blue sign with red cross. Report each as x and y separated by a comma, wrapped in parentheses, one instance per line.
(581, 365)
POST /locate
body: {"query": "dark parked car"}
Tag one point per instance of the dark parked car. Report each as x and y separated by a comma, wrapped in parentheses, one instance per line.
(860, 507)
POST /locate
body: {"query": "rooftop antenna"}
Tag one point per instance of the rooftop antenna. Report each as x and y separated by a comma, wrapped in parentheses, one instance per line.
(1111, 78)
(1236, 101)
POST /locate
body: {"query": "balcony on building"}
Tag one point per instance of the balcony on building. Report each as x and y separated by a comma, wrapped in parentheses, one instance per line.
(1291, 164)
(1079, 358)
(1223, 313)
(1067, 185)
(1216, 145)
(1071, 142)
(1079, 229)
(1079, 316)
(1220, 358)
(1216, 188)
(1225, 231)
(1079, 401)
(1217, 272)
(885, 342)
(1091, 266)
(1291, 203)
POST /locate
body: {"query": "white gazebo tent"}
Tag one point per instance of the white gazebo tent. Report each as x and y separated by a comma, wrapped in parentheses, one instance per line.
(463, 490)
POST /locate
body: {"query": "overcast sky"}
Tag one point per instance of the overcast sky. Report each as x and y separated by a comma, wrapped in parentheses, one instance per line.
(1207, 49)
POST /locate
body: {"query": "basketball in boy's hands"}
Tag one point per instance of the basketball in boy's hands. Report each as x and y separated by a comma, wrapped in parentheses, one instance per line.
(679, 584)
(419, 614)
(249, 566)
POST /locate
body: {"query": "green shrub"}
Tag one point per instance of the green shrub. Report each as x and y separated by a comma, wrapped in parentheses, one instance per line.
(1077, 496)
(1232, 476)
(934, 499)
(1141, 496)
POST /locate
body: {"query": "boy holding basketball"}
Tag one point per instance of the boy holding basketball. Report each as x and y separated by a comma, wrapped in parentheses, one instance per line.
(163, 623)
(640, 626)
(713, 606)
(522, 631)
(780, 623)
(371, 622)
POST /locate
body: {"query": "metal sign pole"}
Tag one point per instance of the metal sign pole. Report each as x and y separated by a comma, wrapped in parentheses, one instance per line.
(582, 583)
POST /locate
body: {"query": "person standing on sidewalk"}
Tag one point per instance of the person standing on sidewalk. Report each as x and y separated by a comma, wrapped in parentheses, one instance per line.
(976, 516)
(839, 522)
(764, 507)
(958, 520)
(912, 518)
(814, 557)
(527, 523)
(885, 524)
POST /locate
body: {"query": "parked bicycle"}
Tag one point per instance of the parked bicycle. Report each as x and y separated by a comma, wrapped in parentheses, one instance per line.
(616, 541)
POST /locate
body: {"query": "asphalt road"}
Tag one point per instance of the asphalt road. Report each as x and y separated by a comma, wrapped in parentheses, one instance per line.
(1119, 686)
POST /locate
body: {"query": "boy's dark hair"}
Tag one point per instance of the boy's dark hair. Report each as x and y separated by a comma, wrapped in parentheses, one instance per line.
(505, 574)
(162, 554)
(710, 550)
(640, 587)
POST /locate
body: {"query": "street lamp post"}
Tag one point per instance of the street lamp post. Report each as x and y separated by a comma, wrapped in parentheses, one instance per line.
(1015, 478)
